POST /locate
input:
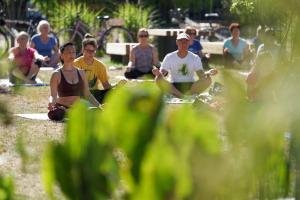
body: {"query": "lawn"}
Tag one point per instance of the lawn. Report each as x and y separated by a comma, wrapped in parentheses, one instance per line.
(34, 134)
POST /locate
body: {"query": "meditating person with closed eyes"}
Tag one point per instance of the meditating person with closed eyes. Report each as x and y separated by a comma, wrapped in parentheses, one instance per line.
(67, 85)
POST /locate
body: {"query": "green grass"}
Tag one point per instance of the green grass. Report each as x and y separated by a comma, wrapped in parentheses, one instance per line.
(111, 63)
(35, 134)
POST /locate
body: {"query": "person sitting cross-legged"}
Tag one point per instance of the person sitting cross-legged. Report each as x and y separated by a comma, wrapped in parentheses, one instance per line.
(46, 44)
(236, 51)
(182, 66)
(67, 85)
(260, 80)
(95, 70)
(142, 57)
(26, 61)
(196, 47)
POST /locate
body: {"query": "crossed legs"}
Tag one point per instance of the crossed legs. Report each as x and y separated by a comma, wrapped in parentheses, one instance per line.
(167, 87)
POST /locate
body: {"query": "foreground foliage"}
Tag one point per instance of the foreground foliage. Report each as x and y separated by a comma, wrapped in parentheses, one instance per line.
(138, 148)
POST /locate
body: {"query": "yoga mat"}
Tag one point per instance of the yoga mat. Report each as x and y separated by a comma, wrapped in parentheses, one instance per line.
(6, 83)
(175, 100)
(34, 116)
(47, 69)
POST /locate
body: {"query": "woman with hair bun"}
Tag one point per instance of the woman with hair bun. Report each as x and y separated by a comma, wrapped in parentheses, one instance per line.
(67, 85)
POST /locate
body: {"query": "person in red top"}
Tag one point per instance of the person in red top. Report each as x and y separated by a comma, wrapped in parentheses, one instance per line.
(25, 61)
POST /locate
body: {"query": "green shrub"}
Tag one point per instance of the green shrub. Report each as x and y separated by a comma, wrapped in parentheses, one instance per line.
(139, 149)
(64, 15)
(136, 16)
(6, 188)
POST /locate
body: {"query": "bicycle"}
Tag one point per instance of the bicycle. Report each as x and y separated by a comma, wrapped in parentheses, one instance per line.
(7, 35)
(111, 30)
(10, 28)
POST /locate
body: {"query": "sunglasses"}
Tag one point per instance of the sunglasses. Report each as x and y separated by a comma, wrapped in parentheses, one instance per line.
(141, 36)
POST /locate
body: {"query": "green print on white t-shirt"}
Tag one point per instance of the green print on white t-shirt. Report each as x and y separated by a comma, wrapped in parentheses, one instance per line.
(183, 70)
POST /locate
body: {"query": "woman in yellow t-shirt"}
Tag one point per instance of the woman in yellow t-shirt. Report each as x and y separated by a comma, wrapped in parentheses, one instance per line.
(95, 70)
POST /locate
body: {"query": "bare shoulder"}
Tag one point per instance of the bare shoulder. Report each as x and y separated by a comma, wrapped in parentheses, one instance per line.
(13, 50)
(134, 48)
(56, 73)
(81, 72)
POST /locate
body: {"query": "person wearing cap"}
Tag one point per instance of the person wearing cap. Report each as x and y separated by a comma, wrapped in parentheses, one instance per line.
(142, 58)
(182, 66)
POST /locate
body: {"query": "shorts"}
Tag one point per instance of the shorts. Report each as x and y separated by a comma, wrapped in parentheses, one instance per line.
(183, 87)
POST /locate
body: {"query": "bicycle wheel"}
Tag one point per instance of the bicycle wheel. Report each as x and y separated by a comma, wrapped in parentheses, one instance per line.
(115, 35)
(4, 44)
(69, 35)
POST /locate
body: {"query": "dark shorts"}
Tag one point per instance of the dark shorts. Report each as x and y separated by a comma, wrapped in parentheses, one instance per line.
(134, 73)
(58, 113)
(183, 87)
(100, 94)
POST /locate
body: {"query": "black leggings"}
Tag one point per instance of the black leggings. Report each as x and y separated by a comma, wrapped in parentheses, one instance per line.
(58, 113)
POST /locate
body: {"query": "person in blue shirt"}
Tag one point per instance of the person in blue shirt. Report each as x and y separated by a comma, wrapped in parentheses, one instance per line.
(45, 44)
(235, 49)
(196, 47)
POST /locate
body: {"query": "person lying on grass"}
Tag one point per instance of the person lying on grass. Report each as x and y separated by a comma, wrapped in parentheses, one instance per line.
(67, 84)
(182, 66)
(25, 61)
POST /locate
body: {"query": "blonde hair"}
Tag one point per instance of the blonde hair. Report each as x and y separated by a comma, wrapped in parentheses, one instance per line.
(142, 30)
(21, 34)
(42, 23)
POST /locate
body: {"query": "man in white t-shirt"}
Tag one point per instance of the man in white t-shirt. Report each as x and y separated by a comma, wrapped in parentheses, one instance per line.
(182, 66)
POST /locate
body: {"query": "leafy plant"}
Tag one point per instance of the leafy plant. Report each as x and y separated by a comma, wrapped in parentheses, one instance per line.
(64, 15)
(6, 188)
(139, 149)
(136, 16)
